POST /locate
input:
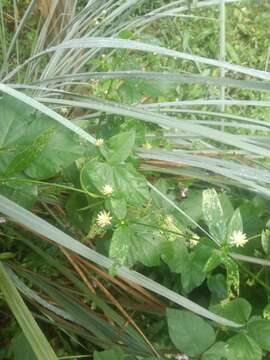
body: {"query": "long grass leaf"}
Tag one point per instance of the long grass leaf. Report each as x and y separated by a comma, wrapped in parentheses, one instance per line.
(34, 335)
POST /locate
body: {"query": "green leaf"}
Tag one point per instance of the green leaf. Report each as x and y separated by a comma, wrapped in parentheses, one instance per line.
(265, 239)
(237, 310)
(78, 217)
(218, 287)
(115, 353)
(242, 347)
(62, 150)
(235, 224)
(7, 255)
(232, 276)
(226, 205)
(27, 141)
(126, 182)
(146, 245)
(23, 193)
(118, 148)
(30, 328)
(212, 262)
(175, 255)
(118, 207)
(218, 351)
(189, 333)
(259, 330)
(21, 348)
(213, 214)
(21, 161)
(193, 275)
(120, 245)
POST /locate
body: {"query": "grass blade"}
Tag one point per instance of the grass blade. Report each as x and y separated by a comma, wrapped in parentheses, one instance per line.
(34, 335)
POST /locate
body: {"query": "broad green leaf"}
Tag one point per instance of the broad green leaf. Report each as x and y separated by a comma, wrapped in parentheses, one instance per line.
(189, 333)
(62, 149)
(243, 347)
(146, 245)
(218, 351)
(24, 194)
(259, 330)
(175, 255)
(131, 184)
(120, 245)
(21, 161)
(218, 287)
(117, 207)
(21, 348)
(237, 310)
(192, 206)
(28, 144)
(193, 275)
(265, 239)
(235, 224)
(77, 211)
(226, 205)
(212, 262)
(30, 328)
(143, 243)
(115, 353)
(213, 214)
(126, 182)
(118, 148)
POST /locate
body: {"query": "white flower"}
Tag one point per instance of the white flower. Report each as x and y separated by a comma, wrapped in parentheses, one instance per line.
(107, 190)
(168, 221)
(104, 218)
(181, 357)
(147, 146)
(171, 227)
(99, 142)
(193, 241)
(238, 238)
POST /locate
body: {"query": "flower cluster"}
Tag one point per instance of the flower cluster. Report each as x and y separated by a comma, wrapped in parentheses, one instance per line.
(170, 226)
(238, 238)
(194, 240)
(104, 218)
(99, 142)
(107, 190)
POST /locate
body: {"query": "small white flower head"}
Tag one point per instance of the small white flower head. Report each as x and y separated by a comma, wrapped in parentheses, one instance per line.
(147, 146)
(104, 218)
(238, 239)
(107, 190)
(169, 225)
(181, 357)
(193, 241)
(64, 110)
(99, 142)
(168, 221)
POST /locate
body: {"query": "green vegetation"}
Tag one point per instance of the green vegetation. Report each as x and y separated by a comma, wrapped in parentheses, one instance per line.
(134, 180)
